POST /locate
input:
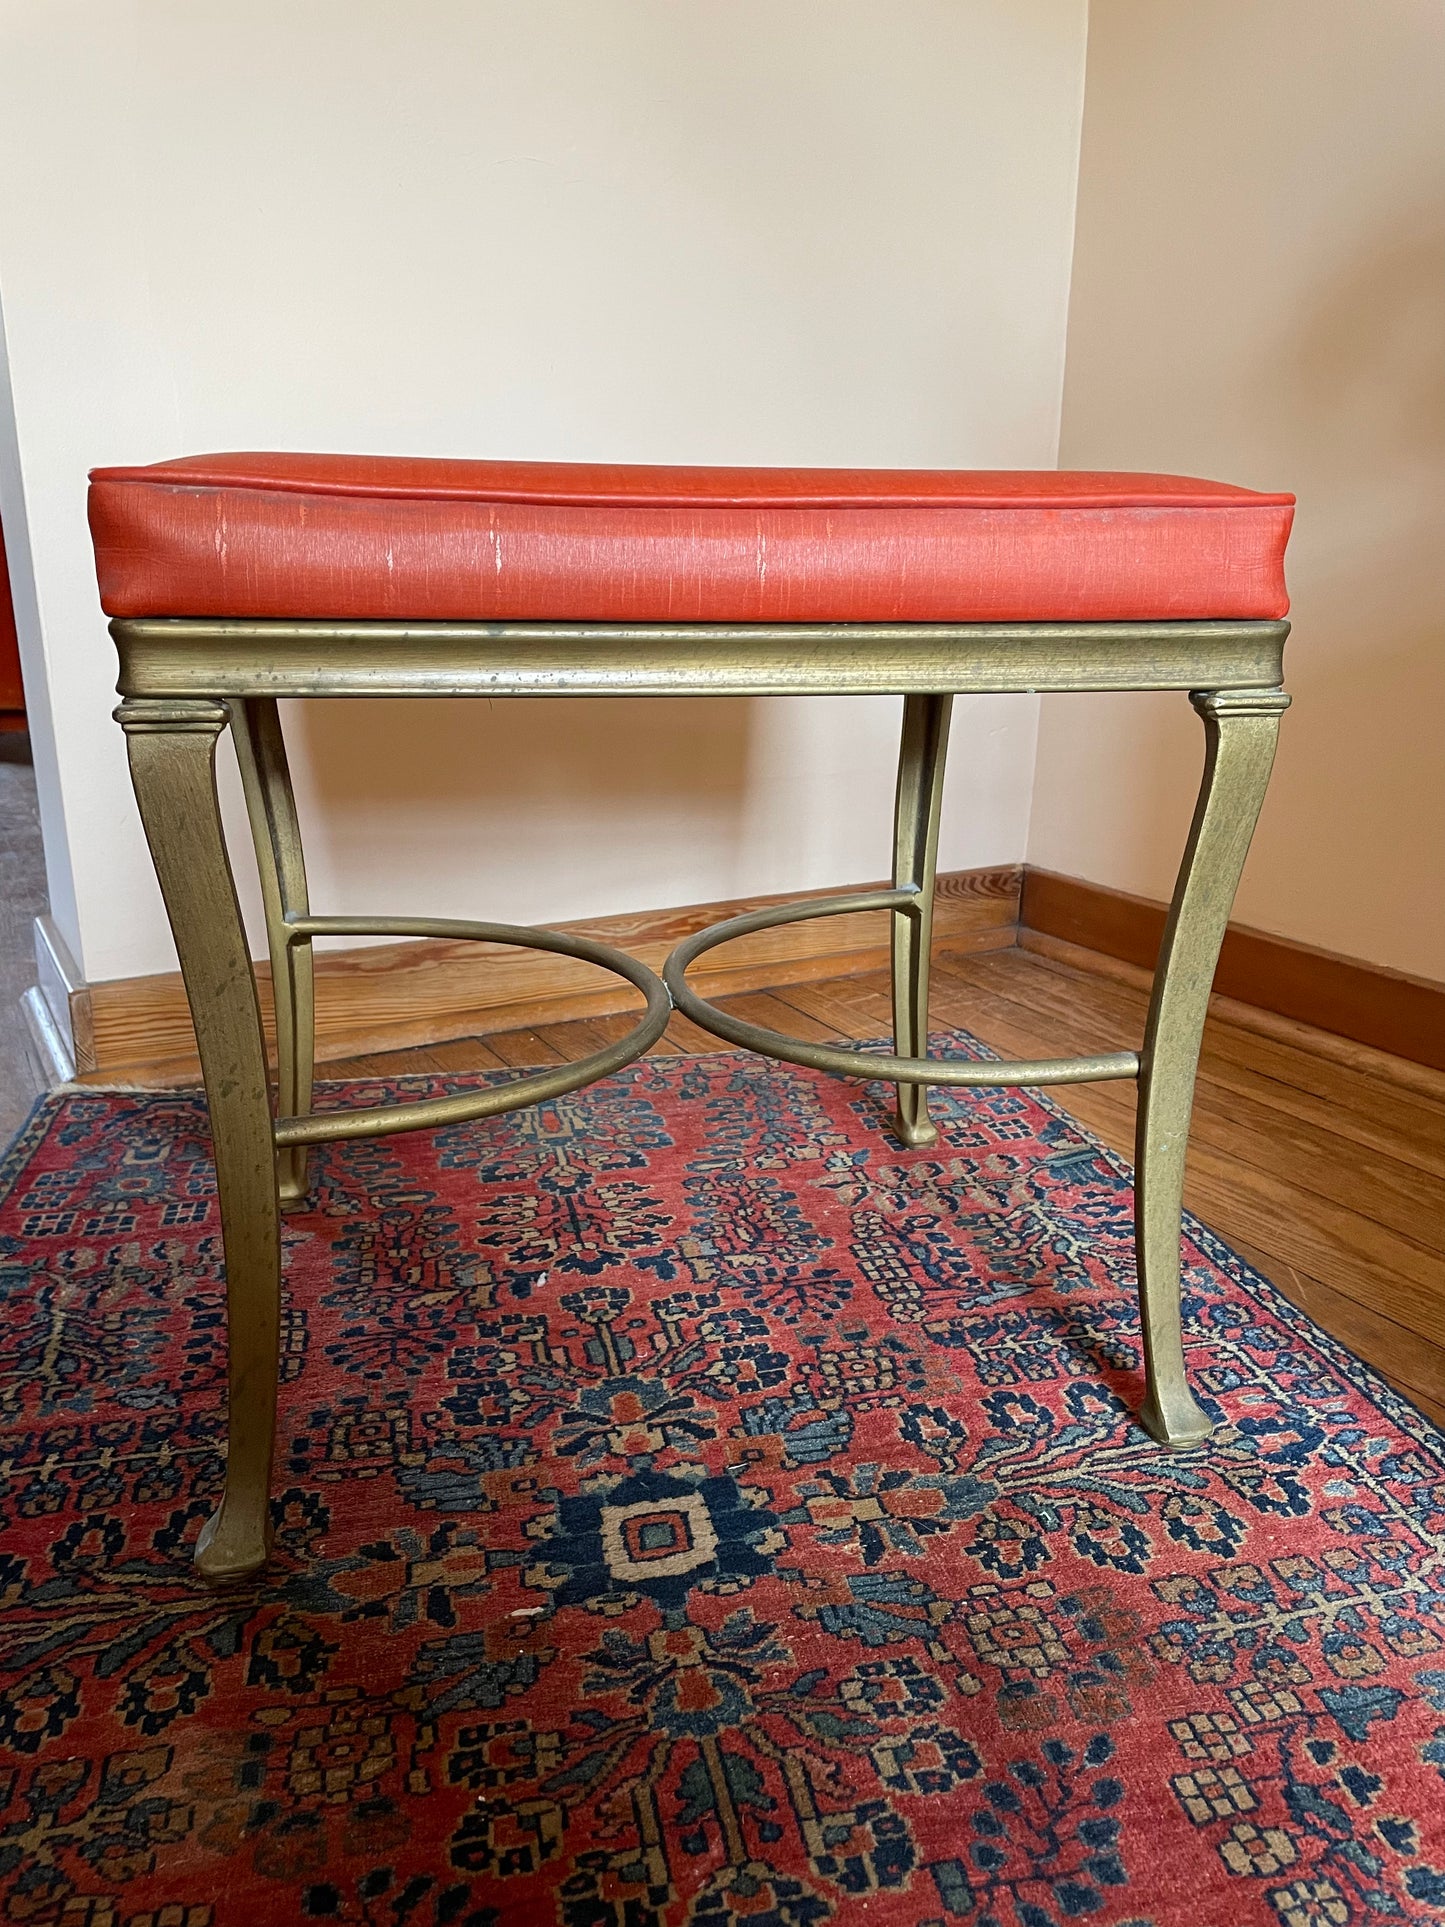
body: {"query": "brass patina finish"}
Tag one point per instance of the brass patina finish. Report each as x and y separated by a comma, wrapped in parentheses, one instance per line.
(909, 1073)
(183, 681)
(1240, 731)
(276, 833)
(917, 807)
(172, 749)
(180, 657)
(429, 1114)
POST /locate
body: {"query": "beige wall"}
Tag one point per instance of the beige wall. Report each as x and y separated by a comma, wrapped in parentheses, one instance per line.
(1259, 294)
(732, 230)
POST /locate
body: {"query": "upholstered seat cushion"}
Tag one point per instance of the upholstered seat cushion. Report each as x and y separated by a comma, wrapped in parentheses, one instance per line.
(395, 539)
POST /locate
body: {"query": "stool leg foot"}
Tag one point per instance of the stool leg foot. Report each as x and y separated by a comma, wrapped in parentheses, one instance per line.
(276, 833)
(1241, 728)
(172, 758)
(921, 759)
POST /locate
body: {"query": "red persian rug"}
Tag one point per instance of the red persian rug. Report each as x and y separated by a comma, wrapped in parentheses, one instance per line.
(693, 1508)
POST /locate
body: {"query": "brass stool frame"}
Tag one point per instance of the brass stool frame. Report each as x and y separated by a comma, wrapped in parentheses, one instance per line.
(184, 681)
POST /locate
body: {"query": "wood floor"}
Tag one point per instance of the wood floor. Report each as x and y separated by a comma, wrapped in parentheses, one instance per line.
(1322, 1163)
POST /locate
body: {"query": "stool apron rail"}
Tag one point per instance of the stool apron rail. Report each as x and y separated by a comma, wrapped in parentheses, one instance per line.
(175, 656)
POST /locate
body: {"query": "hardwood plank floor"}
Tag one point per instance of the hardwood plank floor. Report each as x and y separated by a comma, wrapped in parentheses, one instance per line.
(1327, 1175)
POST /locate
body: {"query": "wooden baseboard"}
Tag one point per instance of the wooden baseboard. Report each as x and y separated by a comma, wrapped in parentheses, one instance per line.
(390, 996)
(1386, 1009)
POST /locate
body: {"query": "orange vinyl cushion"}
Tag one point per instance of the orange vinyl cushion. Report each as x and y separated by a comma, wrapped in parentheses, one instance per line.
(393, 538)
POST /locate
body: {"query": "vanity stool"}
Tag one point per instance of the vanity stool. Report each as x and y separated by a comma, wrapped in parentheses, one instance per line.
(233, 580)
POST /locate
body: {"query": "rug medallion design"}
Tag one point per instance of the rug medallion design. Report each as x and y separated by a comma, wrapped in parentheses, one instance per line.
(694, 1508)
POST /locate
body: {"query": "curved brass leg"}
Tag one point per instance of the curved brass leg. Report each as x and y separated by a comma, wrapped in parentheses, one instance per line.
(1241, 727)
(921, 758)
(276, 833)
(172, 759)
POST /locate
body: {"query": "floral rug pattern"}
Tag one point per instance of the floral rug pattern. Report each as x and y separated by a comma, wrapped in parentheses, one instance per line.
(691, 1507)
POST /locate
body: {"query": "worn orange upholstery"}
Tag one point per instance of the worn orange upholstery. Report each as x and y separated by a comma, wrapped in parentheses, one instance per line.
(387, 538)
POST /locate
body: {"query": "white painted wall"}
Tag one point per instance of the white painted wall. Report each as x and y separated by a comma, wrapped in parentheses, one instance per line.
(1259, 294)
(804, 231)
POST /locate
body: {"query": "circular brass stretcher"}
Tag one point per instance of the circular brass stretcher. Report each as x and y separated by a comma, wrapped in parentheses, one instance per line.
(663, 995)
(537, 1087)
(835, 1058)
